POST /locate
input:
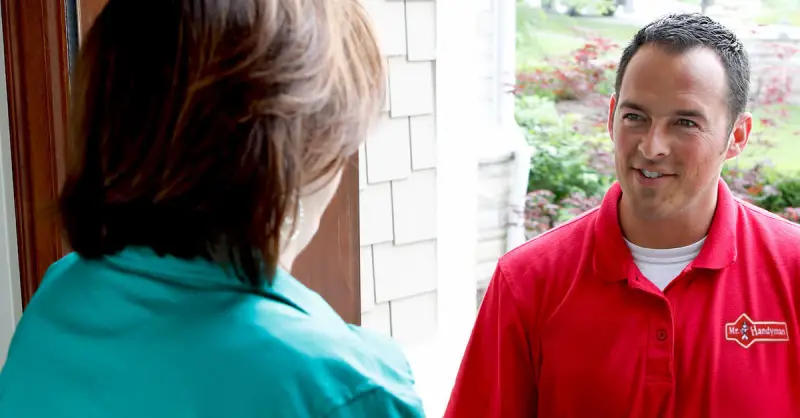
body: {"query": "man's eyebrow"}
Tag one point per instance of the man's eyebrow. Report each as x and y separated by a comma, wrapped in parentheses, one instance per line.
(632, 105)
(689, 113)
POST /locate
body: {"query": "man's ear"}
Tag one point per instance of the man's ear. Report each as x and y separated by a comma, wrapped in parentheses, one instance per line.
(739, 136)
(612, 108)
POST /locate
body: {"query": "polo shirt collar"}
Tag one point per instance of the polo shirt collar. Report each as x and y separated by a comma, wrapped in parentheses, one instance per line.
(613, 259)
(200, 274)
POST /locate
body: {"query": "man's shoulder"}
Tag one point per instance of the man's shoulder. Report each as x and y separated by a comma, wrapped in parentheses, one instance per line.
(768, 238)
(768, 224)
(550, 263)
(540, 273)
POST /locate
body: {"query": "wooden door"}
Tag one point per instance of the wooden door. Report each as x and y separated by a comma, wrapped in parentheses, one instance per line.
(47, 31)
(330, 264)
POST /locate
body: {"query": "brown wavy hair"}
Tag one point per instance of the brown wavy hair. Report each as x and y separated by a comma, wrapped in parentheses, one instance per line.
(195, 123)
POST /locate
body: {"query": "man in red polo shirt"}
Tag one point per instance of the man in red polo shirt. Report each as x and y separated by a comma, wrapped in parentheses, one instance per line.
(673, 299)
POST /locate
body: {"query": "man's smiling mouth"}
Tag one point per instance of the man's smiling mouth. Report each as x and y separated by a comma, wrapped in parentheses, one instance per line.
(651, 174)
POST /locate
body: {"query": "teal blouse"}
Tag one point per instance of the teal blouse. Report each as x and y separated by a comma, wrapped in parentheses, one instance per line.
(138, 335)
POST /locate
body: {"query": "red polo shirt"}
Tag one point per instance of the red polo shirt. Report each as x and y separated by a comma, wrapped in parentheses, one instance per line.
(569, 326)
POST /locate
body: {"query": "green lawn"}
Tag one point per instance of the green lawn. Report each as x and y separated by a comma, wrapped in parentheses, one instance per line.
(780, 11)
(545, 44)
(785, 140)
(541, 35)
(772, 17)
(558, 23)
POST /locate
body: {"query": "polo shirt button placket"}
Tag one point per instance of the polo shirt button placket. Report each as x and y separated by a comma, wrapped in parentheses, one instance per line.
(660, 382)
(661, 335)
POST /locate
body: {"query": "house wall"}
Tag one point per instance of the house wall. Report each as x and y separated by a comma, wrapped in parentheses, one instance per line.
(460, 126)
(10, 299)
(494, 185)
(499, 154)
(398, 184)
(419, 188)
(488, 55)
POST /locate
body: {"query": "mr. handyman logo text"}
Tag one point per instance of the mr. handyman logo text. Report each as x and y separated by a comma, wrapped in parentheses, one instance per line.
(747, 332)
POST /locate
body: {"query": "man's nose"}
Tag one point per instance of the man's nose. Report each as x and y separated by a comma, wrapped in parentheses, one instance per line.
(655, 145)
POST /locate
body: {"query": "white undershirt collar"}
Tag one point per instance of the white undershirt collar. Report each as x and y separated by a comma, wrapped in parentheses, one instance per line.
(661, 266)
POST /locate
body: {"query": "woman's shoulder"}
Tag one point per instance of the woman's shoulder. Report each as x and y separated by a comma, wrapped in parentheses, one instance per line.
(339, 369)
(284, 351)
(294, 361)
(302, 356)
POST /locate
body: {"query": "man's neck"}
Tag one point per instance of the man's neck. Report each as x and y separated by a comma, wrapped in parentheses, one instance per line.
(686, 228)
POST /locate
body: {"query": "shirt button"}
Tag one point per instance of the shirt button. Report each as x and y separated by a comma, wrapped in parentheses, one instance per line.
(661, 335)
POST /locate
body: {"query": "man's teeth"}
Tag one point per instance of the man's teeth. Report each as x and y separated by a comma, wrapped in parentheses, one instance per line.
(651, 174)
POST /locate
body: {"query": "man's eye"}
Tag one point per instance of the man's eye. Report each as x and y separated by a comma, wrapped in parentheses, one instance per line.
(687, 123)
(632, 117)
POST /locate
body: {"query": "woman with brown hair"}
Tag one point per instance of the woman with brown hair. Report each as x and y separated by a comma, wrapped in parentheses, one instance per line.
(208, 137)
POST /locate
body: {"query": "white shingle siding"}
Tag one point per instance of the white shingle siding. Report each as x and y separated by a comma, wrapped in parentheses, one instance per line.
(410, 86)
(367, 280)
(378, 319)
(375, 207)
(398, 184)
(423, 142)
(414, 207)
(421, 30)
(388, 96)
(389, 21)
(414, 318)
(389, 150)
(404, 270)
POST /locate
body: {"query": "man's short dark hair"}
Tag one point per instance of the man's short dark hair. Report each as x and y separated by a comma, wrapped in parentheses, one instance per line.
(680, 33)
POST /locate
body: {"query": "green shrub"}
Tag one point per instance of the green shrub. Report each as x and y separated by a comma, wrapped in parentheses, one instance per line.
(581, 73)
(767, 188)
(563, 161)
(789, 191)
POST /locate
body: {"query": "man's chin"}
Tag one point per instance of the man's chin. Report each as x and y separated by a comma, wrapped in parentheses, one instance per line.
(648, 196)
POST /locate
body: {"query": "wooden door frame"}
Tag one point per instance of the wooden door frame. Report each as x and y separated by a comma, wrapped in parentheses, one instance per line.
(36, 78)
(331, 264)
(37, 75)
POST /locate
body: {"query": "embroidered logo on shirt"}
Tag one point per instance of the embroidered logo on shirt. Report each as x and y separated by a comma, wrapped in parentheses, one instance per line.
(747, 332)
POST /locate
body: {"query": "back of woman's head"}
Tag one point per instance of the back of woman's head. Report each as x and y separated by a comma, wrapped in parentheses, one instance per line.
(195, 123)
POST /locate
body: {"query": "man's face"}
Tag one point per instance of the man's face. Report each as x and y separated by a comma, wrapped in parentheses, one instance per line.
(671, 130)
